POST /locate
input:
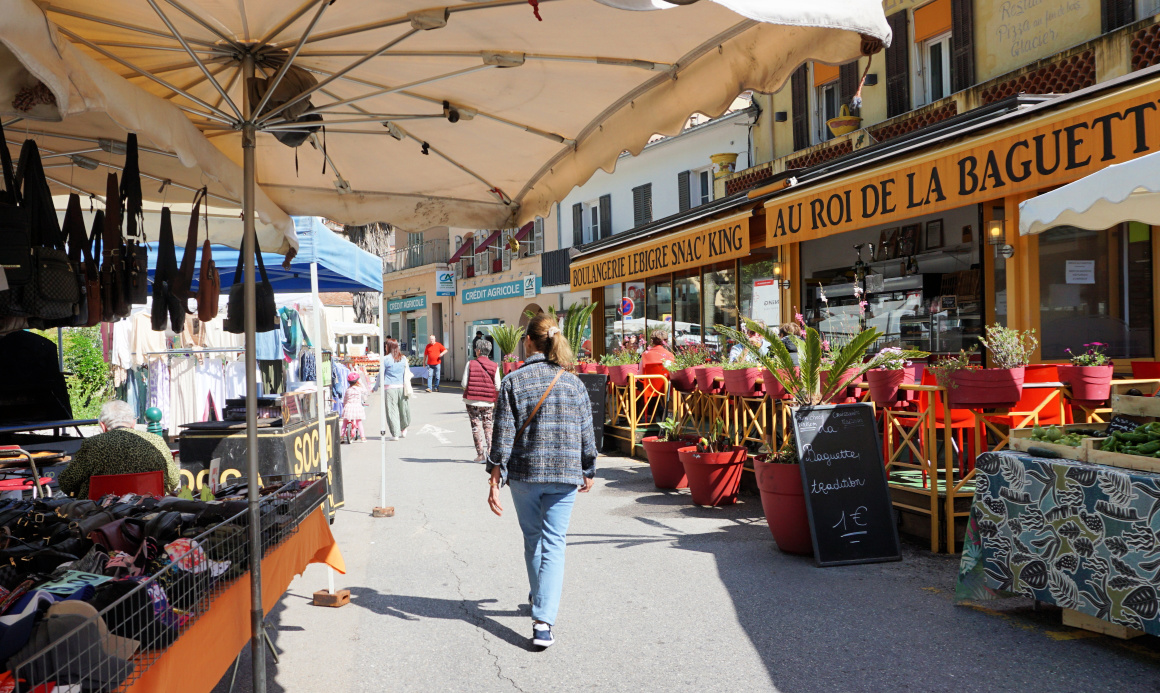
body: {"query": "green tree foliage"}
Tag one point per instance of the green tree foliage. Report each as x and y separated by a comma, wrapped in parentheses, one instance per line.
(90, 383)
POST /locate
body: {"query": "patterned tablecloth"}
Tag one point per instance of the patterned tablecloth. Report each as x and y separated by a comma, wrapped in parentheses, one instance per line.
(1081, 536)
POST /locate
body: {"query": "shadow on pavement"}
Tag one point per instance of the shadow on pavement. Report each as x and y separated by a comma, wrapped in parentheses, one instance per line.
(410, 608)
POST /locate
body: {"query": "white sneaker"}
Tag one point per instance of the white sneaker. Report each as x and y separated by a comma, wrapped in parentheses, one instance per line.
(403, 434)
(389, 438)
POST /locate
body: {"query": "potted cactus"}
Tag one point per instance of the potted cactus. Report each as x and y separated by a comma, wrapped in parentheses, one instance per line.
(1089, 375)
(667, 470)
(713, 467)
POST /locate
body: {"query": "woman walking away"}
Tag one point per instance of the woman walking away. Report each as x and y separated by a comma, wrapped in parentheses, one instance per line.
(394, 373)
(538, 450)
(354, 408)
(480, 388)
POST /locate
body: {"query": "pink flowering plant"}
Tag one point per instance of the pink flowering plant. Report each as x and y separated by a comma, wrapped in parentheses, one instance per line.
(895, 359)
(1094, 356)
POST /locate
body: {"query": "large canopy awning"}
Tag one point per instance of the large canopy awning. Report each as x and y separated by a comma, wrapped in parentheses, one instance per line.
(1123, 192)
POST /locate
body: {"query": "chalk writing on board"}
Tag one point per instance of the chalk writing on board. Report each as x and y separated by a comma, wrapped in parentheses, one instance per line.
(811, 455)
(850, 523)
(824, 489)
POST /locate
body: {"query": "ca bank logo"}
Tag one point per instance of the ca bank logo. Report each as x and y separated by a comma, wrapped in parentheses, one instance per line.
(530, 286)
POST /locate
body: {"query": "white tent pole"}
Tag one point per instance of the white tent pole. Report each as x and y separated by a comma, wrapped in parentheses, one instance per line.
(320, 396)
(383, 396)
(249, 237)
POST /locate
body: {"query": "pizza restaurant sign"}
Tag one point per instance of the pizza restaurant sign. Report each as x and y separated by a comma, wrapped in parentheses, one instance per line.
(724, 239)
(1054, 149)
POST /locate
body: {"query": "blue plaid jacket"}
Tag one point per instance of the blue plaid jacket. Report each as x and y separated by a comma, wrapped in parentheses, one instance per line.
(558, 445)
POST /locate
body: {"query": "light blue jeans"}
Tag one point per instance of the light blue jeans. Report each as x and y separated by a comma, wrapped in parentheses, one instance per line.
(544, 511)
(433, 373)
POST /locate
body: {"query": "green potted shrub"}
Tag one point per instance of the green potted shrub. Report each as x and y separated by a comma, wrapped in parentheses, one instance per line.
(971, 387)
(507, 338)
(661, 450)
(1089, 375)
(778, 474)
(681, 368)
(894, 369)
(620, 364)
(713, 467)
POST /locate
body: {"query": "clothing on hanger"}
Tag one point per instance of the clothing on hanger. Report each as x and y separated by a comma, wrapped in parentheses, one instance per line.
(211, 388)
(291, 332)
(159, 389)
(120, 344)
(273, 376)
(182, 393)
(269, 345)
(144, 340)
(308, 369)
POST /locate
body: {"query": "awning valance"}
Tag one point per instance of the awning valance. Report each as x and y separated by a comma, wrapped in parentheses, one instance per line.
(1125, 192)
(464, 249)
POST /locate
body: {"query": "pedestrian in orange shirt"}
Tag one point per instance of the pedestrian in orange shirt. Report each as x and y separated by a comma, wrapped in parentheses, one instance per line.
(434, 356)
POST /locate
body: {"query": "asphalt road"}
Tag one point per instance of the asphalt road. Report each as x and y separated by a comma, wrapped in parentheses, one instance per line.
(660, 595)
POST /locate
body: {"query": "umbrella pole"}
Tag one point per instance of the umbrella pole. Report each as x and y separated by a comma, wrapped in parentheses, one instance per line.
(249, 174)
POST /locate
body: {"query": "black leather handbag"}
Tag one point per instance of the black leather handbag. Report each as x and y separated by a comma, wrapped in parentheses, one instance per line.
(15, 227)
(266, 313)
(136, 255)
(166, 304)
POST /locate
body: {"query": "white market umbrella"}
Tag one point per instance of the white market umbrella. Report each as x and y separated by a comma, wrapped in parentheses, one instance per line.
(1122, 192)
(474, 114)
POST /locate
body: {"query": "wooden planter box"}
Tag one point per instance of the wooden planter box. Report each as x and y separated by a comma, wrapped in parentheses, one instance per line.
(1020, 439)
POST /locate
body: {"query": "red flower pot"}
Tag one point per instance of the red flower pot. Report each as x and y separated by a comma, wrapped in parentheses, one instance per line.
(509, 366)
(784, 502)
(884, 384)
(772, 385)
(619, 374)
(601, 370)
(707, 378)
(667, 470)
(742, 382)
(714, 477)
(684, 380)
(841, 396)
(977, 388)
(1090, 385)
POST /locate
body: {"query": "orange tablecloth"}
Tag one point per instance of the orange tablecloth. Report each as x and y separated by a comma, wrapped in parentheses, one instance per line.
(204, 652)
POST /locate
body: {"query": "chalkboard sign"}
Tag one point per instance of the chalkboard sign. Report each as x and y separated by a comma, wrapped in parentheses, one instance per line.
(597, 386)
(1122, 424)
(848, 501)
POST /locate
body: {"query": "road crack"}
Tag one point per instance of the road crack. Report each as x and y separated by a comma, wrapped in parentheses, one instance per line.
(471, 616)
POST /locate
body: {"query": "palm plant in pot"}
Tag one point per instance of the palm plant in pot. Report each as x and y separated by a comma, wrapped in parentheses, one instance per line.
(713, 467)
(1089, 375)
(620, 363)
(972, 387)
(778, 474)
(507, 338)
(685, 359)
(661, 449)
(893, 369)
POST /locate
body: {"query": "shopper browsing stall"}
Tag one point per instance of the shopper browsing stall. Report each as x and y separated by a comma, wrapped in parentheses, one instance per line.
(119, 449)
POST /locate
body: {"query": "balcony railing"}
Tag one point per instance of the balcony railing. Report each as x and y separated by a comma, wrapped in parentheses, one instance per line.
(412, 256)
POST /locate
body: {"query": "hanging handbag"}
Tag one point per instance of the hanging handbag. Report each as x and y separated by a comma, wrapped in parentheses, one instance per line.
(93, 271)
(166, 302)
(114, 305)
(266, 314)
(73, 228)
(52, 297)
(136, 255)
(184, 278)
(209, 286)
(15, 227)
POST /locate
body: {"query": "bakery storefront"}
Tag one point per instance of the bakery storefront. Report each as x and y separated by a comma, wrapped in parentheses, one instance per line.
(684, 278)
(926, 247)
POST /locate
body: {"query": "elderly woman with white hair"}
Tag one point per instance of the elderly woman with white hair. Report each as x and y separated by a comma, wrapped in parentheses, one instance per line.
(118, 449)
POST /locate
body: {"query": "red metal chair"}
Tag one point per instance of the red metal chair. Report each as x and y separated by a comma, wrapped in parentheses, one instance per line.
(649, 388)
(141, 483)
(26, 484)
(1039, 406)
(1145, 370)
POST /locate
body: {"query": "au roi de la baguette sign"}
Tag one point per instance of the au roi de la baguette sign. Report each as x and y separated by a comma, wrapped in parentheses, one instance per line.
(724, 239)
(1053, 149)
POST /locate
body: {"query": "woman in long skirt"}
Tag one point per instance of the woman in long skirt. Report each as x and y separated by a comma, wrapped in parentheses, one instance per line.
(544, 450)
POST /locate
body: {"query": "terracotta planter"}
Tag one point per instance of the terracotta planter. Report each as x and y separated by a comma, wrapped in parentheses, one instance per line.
(665, 463)
(1089, 384)
(980, 388)
(884, 384)
(684, 380)
(742, 382)
(619, 374)
(707, 378)
(601, 370)
(784, 502)
(509, 366)
(842, 395)
(773, 386)
(714, 477)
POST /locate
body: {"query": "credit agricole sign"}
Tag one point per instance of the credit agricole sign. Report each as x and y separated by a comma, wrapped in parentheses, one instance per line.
(1055, 148)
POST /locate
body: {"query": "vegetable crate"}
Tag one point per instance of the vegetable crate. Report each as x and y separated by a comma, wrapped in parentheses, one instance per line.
(1138, 449)
(1020, 439)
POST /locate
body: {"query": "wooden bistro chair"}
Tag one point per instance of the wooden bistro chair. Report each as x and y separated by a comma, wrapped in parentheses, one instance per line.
(1042, 404)
(962, 420)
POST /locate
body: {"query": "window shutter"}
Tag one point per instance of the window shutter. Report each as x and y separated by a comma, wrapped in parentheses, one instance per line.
(684, 195)
(538, 237)
(605, 216)
(898, 66)
(962, 44)
(848, 77)
(800, 95)
(1117, 13)
(642, 204)
(577, 225)
(506, 254)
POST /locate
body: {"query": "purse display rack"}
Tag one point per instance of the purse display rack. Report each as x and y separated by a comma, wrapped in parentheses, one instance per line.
(206, 549)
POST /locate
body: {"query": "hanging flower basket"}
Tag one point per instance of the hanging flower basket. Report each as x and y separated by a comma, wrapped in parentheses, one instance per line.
(845, 123)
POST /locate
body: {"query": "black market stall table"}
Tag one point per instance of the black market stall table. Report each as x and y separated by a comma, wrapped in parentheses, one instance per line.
(288, 444)
(1078, 535)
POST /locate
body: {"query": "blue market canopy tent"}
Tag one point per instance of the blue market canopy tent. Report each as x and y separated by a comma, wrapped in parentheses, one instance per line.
(342, 265)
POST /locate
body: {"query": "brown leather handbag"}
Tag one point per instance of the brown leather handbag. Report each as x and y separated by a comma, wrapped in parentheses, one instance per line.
(209, 286)
(184, 280)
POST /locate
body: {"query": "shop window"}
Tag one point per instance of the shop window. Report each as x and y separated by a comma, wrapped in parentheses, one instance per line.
(612, 326)
(758, 285)
(719, 298)
(658, 306)
(1096, 286)
(827, 106)
(687, 308)
(935, 62)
